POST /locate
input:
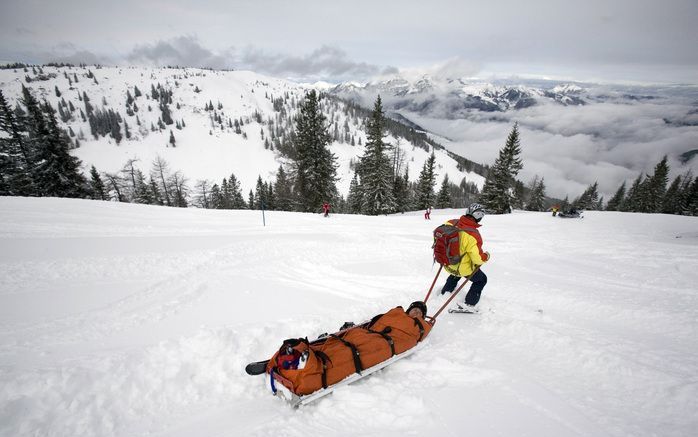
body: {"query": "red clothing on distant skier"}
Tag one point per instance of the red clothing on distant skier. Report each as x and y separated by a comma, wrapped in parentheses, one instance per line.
(326, 208)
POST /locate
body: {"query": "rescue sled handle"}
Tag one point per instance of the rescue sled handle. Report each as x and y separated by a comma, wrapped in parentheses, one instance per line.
(438, 272)
(453, 295)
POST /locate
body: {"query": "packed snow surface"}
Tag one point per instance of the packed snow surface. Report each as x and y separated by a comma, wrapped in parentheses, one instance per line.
(130, 320)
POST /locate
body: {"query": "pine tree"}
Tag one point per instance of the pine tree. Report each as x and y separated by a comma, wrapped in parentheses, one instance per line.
(375, 168)
(631, 201)
(425, 197)
(683, 200)
(16, 162)
(142, 192)
(236, 199)
(692, 198)
(226, 201)
(282, 187)
(642, 195)
(617, 199)
(315, 166)
(354, 197)
(271, 196)
(588, 199)
(97, 185)
(216, 198)
(401, 191)
(443, 199)
(496, 194)
(670, 203)
(656, 187)
(57, 172)
(260, 195)
(536, 200)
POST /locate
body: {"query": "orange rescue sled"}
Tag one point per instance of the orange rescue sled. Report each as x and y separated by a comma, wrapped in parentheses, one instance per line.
(303, 371)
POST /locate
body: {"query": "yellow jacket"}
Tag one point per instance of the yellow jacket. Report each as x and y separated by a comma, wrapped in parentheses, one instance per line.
(470, 247)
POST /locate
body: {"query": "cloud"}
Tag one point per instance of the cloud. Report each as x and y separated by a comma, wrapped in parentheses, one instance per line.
(185, 51)
(452, 68)
(574, 146)
(23, 31)
(322, 63)
(326, 62)
(79, 57)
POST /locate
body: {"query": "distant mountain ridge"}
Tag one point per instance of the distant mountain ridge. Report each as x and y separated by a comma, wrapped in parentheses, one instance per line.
(421, 94)
(453, 97)
(208, 123)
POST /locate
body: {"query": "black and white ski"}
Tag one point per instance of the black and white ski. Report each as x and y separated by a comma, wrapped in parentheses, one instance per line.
(256, 368)
(463, 310)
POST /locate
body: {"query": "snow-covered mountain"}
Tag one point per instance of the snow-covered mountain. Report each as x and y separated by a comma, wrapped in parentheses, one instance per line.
(460, 96)
(421, 94)
(222, 122)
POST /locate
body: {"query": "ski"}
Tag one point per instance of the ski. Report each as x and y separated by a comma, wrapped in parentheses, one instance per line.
(463, 310)
(457, 311)
(256, 368)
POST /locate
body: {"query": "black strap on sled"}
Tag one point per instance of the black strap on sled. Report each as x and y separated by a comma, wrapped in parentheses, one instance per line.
(421, 328)
(354, 352)
(324, 358)
(389, 339)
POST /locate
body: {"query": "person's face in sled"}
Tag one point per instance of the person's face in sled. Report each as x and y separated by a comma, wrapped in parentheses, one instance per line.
(415, 312)
(417, 309)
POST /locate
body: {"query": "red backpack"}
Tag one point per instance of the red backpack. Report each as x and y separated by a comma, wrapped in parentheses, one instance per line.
(447, 244)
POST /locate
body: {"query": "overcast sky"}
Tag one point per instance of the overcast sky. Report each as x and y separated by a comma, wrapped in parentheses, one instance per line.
(609, 40)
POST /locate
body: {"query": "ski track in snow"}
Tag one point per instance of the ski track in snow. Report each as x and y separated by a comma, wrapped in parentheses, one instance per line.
(126, 320)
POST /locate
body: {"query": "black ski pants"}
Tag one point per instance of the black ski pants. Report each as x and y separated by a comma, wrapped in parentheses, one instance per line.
(478, 281)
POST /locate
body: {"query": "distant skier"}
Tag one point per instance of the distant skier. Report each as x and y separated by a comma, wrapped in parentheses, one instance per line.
(555, 210)
(326, 209)
(427, 214)
(472, 257)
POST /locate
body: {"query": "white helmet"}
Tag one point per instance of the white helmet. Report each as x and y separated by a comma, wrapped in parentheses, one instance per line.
(476, 211)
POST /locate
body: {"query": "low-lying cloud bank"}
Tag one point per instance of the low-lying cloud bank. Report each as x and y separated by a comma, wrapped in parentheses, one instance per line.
(574, 146)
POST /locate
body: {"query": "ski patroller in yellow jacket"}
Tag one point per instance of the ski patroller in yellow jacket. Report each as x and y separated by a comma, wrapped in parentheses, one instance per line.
(470, 247)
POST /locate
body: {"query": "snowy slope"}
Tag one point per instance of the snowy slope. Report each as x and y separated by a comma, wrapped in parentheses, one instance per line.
(203, 151)
(130, 320)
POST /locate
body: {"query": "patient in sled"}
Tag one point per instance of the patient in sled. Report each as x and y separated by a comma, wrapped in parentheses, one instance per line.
(305, 366)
